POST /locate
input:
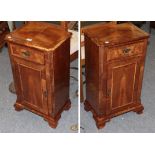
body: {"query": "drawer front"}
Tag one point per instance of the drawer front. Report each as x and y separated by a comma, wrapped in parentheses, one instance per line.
(27, 54)
(125, 51)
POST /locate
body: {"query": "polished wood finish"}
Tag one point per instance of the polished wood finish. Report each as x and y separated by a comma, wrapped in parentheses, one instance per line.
(40, 58)
(82, 43)
(28, 54)
(115, 57)
(65, 25)
(4, 30)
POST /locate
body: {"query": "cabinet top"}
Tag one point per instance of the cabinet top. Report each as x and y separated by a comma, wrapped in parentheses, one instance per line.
(112, 34)
(41, 35)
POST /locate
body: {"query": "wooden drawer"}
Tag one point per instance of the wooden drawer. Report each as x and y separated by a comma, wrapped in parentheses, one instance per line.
(125, 51)
(27, 54)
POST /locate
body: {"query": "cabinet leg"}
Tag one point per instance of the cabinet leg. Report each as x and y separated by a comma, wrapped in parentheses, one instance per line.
(53, 121)
(18, 107)
(53, 124)
(139, 110)
(100, 121)
(100, 125)
(68, 105)
(87, 107)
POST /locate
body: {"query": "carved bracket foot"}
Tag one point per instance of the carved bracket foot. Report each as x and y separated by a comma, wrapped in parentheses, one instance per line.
(100, 125)
(53, 124)
(100, 121)
(139, 110)
(68, 105)
(87, 107)
(18, 107)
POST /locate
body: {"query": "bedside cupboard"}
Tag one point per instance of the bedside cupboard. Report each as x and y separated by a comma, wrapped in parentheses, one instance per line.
(114, 56)
(40, 58)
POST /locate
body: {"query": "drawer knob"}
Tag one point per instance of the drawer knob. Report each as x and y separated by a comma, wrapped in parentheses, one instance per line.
(26, 54)
(126, 50)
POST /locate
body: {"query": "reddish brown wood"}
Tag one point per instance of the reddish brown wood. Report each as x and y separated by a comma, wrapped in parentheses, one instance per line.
(115, 56)
(4, 30)
(74, 56)
(82, 60)
(40, 58)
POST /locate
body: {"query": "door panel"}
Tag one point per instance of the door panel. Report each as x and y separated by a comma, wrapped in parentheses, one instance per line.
(33, 86)
(122, 83)
(123, 79)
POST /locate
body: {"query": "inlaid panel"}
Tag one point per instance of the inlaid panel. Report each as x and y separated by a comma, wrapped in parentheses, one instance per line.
(122, 85)
(32, 85)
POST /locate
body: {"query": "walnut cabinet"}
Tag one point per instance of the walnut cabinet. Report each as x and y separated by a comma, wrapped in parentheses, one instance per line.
(40, 59)
(115, 56)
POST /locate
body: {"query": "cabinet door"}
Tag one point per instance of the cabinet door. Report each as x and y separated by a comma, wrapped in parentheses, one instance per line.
(30, 79)
(122, 84)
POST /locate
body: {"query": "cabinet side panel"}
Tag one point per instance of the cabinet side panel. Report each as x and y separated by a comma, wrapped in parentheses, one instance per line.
(92, 73)
(61, 71)
(141, 74)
